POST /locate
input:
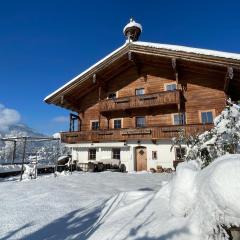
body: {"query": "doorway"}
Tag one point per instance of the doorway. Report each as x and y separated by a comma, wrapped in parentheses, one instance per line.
(141, 158)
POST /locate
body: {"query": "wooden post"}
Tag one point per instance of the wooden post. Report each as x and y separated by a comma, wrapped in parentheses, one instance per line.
(14, 151)
(94, 78)
(174, 66)
(70, 122)
(229, 76)
(99, 92)
(23, 156)
(99, 99)
(79, 124)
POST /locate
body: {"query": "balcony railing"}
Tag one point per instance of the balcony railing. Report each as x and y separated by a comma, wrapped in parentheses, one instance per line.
(141, 101)
(147, 133)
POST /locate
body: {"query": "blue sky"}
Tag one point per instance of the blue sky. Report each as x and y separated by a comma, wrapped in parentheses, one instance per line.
(43, 44)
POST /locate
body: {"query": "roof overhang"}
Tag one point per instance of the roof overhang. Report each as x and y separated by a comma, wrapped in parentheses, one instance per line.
(120, 56)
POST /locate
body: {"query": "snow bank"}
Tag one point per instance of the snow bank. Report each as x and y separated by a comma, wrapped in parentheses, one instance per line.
(209, 198)
(183, 190)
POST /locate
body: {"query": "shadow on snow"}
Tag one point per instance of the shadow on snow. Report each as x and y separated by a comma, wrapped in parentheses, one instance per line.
(75, 225)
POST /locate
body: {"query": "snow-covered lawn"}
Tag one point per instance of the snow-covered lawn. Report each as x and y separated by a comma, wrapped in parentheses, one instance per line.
(83, 206)
(191, 204)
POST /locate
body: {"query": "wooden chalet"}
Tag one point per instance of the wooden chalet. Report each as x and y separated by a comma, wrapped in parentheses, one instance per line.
(131, 103)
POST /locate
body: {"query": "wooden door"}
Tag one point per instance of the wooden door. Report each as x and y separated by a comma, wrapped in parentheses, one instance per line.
(141, 159)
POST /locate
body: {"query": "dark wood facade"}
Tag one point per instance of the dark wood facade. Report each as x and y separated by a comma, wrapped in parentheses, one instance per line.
(203, 84)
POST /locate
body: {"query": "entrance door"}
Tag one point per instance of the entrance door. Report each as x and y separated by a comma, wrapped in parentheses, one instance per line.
(141, 158)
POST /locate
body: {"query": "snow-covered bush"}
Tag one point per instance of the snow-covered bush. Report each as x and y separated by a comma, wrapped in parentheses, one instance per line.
(222, 139)
(29, 171)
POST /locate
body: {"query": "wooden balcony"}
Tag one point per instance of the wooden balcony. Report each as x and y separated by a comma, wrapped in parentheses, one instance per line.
(142, 101)
(147, 133)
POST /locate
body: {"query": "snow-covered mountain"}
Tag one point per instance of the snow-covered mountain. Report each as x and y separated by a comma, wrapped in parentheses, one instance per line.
(47, 150)
(21, 130)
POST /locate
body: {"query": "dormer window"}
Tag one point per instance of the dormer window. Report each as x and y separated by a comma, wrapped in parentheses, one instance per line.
(139, 91)
(171, 87)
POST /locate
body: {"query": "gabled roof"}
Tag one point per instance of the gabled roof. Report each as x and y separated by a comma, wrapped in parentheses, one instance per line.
(191, 54)
(86, 71)
(200, 51)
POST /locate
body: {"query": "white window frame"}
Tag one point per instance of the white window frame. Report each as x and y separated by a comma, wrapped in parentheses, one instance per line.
(141, 88)
(111, 93)
(91, 121)
(183, 147)
(119, 153)
(183, 113)
(207, 110)
(117, 119)
(89, 154)
(167, 84)
(156, 155)
(144, 121)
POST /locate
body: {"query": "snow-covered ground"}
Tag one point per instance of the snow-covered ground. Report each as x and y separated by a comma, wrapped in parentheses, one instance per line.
(191, 204)
(71, 206)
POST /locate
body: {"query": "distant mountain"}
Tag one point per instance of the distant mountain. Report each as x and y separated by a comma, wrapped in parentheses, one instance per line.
(23, 130)
(47, 149)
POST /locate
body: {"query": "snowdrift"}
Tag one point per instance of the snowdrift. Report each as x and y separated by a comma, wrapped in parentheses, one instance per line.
(196, 204)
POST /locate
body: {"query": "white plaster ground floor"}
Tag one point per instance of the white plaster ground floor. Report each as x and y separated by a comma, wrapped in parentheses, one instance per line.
(135, 155)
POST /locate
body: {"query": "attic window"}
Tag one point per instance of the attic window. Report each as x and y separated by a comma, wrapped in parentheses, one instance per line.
(171, 87)
(139, 91)
(112, 95)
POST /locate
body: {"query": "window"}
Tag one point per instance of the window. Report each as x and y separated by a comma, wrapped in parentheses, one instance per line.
(117, 123)
(207, 117)
(180, 153)
(171, 87)
(139, 91)
(116, 153)
(154, 155)
(140, 122)
(95, 125)
(112, 95)
(179, 119)
(92, 154)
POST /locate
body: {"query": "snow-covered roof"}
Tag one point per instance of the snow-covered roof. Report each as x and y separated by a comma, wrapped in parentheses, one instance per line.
(177, 48)
(84, 72)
